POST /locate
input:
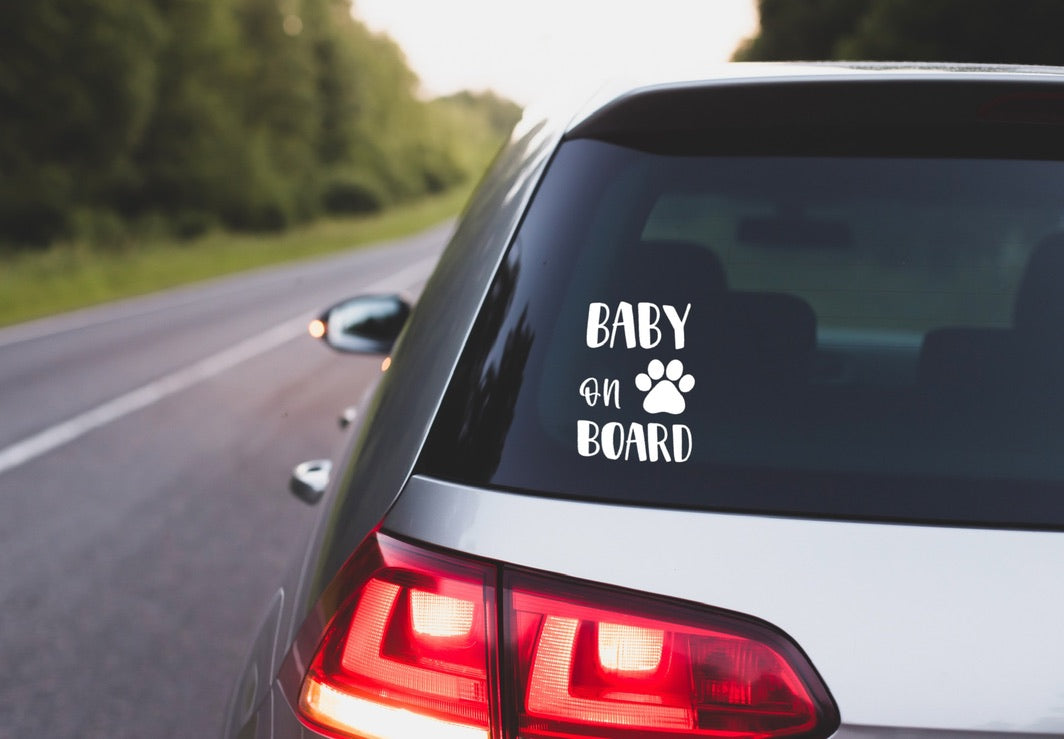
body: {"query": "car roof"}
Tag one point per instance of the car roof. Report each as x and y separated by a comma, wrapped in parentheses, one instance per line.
(571, 107)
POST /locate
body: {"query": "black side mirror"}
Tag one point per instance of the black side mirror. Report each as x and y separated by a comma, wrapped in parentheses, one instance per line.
(368, 324)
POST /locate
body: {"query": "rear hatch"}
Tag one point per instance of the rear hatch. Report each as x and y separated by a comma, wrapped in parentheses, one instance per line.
(791, 351)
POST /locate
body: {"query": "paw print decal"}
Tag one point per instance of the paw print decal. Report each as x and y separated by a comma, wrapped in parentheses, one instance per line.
(664, 387)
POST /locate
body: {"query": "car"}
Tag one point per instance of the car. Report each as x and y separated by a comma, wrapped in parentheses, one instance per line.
(734, 408)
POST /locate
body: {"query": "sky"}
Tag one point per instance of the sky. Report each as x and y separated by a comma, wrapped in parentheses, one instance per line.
(523, 49)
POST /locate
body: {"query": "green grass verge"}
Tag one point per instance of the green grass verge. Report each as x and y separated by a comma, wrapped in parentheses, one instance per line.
(69, 276)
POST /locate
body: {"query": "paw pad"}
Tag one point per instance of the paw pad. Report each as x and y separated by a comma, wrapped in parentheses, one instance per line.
(664, 387)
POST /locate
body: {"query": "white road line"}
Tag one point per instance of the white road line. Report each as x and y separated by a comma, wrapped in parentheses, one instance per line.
(62, 433)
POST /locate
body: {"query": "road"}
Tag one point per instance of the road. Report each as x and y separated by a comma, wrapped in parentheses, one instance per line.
(145, 448)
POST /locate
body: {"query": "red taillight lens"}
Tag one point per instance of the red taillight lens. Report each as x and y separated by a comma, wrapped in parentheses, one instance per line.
(408, 653)
(413, 647)
(591, 662)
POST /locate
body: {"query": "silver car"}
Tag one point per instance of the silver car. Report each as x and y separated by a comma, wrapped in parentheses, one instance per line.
(735, 408)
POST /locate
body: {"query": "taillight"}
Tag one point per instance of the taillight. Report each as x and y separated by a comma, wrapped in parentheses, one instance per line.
(415, 646)
(408, 653)
(598, 662)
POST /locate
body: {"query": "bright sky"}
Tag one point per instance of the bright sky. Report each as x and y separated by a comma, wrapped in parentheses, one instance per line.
(523, 49)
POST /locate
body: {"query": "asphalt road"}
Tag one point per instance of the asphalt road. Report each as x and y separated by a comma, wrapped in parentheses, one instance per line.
(145, 448)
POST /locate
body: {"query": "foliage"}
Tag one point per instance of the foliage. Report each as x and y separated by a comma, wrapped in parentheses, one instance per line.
(68, 275)
(473, 122)
(182, 114)
(77, 85)
(987, 31)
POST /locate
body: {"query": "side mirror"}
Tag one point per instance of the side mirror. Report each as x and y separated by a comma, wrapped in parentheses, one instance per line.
(368, 324)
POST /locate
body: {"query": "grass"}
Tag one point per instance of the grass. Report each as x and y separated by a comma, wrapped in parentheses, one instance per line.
(68, 276)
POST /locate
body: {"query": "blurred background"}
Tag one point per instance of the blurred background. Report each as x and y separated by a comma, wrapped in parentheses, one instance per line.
(125, 124)
(228, 168)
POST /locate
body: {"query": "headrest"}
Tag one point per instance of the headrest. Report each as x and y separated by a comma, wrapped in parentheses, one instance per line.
(665, 267)
(767, 325)
(1039, 305)
(966, 356)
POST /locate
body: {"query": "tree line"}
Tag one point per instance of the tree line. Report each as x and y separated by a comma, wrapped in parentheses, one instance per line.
(979, 31)
(178, 115)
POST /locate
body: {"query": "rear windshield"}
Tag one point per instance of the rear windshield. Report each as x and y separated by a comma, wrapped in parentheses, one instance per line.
(857, 337)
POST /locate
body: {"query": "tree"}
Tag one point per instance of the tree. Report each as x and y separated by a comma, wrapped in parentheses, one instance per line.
(805, 30)
(77, 86)
(987, 31)
(194, 145)
(252, 113)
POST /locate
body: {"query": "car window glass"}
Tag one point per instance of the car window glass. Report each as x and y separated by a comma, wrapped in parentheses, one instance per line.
(853, 336)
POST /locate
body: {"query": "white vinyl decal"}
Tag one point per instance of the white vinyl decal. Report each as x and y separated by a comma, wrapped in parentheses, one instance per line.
(664, 387)
(638, 326)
